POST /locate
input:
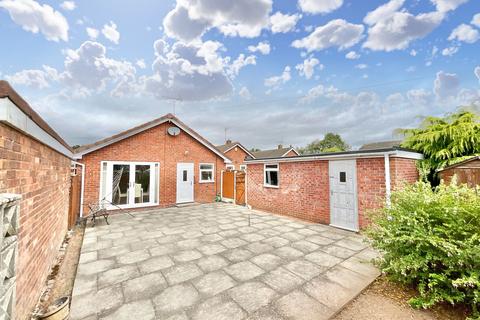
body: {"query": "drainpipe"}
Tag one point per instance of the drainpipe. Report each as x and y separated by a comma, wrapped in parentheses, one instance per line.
(387, 179)
(82, 189)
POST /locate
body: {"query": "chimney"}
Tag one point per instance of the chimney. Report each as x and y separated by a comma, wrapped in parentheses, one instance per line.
(229, 141)
(280, 147)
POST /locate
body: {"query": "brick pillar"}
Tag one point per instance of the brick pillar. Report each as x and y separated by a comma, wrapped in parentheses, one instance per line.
(9, 225)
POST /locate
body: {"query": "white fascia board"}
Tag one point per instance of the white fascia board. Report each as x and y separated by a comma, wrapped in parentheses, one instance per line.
(291, 149)
(16, 118)
(392, 153)
(240, 146)
(132, 133)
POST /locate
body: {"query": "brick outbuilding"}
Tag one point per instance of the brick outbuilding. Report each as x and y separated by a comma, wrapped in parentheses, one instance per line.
(332, 188)
(237, 153)
(157, 164)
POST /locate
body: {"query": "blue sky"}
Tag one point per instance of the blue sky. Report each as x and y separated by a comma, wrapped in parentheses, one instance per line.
(271, 72)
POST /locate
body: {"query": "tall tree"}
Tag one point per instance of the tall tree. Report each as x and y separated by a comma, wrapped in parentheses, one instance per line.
(331, 142)
(444, 141)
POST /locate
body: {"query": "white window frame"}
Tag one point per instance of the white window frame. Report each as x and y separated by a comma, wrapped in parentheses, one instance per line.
(243, 167)
(265, 169)
(200, 170)
(230, 167)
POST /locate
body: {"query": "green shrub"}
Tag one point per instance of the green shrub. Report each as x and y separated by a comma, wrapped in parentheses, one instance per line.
(431, 239)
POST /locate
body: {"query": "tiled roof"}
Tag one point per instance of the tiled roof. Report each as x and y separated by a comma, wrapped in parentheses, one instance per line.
(381, 145)
(273, 153)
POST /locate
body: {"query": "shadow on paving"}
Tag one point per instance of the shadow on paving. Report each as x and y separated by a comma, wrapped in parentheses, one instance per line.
(205, 262)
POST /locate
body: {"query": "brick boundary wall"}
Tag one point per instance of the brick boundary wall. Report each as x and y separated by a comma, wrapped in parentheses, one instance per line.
(155, 145)
(304, 190)
(42, 177)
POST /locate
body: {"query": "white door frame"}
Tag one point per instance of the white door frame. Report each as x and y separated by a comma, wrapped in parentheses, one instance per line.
(154, 184)
(332, 176)
(190, 166)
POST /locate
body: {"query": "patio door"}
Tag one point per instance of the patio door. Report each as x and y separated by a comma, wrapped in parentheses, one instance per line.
(129, 184)
(184, 182)
(343, 194)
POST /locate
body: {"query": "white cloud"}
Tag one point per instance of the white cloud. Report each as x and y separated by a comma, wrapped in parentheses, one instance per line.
(336, 33)
(68, 5)
(450, 51)
(352, 55)
(419, 97)
(88, 67)
(383, 12)
(92, 33)
(189, 72)
(307, 68)
(476, 71)
(190, 19)
(241, 62)
(245, 93)
(319, 6)
(413, 53)
(464, 33)
(445, 85)
(361, 66)
(262, 47)
(111, 33)
(397, 29)
(283, 23)
(447, 5)
(276, 81)
(34, 78)
(141, 64)
(35, 18)
(476, 20)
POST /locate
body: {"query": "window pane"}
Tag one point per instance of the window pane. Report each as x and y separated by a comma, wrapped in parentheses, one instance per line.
(272, 166)
(343, 176)
(271, 178)
(142, 183)
(206, 176)
(206, 166)
(120, 183)
(184, 175)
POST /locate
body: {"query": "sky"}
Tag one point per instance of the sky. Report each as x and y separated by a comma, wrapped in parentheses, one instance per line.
(261, 72)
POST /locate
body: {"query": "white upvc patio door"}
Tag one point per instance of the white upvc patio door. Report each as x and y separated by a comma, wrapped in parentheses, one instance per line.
(127, 184)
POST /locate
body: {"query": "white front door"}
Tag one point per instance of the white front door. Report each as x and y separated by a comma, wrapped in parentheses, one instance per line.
(343, 194)
(129, 184)
(184, 182)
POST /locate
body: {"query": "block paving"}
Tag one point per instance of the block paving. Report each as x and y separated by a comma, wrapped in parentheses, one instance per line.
(206, 262)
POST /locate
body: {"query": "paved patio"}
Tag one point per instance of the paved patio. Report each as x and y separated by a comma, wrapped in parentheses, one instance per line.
(205, 262)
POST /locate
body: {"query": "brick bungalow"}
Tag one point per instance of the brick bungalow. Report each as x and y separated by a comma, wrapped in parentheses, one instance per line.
(335, 188)
(157, 164)
(236, 152)
(34, 163)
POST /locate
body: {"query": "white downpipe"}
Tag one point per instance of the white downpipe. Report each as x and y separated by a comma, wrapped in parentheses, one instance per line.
(82, 189)
(388, 190)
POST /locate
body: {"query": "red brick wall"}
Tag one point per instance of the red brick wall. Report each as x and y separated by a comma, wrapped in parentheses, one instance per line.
(155, 145)
(42, 177)
(402, 171)
(291, 153)
(303, 190)
(237, 156)
(370, 186)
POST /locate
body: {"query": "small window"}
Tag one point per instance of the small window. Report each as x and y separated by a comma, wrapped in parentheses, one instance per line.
(271, 175)
(343, 176)
(185, 173)
(243, 167)
(230, 167)
(206, 172)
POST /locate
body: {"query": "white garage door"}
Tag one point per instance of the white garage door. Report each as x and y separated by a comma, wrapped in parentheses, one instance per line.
(343, 194)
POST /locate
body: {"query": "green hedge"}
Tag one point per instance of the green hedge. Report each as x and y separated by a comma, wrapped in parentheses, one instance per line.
(431, 239)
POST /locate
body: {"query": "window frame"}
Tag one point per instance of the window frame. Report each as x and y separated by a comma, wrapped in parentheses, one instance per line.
(243, 167)
(230, 167)
(265, 169)
(200, 170)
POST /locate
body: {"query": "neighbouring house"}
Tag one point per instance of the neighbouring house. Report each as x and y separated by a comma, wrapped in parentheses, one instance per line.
(35, 164)
(236, 152)
(159, 163)
(467, 171)
(381, 145)
(279, 152)
(330, 188)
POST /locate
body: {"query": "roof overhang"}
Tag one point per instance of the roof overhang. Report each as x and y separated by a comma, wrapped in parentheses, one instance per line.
(393, 152)
(13, 116)
(241, 147)
(131, 133)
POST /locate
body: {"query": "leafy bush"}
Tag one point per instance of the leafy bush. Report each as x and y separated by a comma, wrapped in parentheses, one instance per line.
(431, 239)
